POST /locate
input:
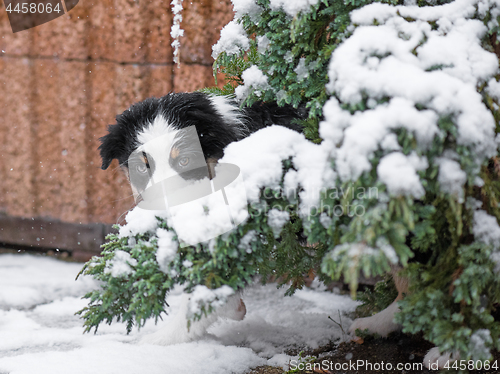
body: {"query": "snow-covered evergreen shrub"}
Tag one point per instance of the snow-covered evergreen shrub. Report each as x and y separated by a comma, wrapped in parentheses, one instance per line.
(399, 157)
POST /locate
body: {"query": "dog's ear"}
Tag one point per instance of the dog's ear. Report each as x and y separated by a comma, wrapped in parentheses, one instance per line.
(111, 146)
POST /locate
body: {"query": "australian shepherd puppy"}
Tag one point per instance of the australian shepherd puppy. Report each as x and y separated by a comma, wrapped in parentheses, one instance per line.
(218, 121)
(163, 124)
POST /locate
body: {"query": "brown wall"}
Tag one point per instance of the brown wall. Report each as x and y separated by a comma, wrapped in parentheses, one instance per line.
(64, 81)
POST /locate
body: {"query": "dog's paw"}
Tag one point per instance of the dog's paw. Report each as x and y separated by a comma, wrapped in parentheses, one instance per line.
(176, 331)
(234, 309)
(381, 323)
(434, 360)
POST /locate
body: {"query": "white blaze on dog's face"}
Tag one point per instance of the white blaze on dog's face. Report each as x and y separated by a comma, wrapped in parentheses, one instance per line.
(157, 142)
(165, 153)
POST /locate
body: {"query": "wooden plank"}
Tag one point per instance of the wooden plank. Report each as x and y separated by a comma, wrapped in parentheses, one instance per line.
(81, 240)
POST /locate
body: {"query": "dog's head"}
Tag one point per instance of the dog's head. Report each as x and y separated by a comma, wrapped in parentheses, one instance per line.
(178, 134)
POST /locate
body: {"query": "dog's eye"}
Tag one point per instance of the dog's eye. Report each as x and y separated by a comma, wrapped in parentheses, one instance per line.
(142, 168)
(184, 161)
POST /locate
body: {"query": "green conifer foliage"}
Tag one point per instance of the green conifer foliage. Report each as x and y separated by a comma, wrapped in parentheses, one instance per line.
(409, 120)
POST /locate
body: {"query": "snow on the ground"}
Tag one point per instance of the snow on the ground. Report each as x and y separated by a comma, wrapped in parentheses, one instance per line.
(39, 332)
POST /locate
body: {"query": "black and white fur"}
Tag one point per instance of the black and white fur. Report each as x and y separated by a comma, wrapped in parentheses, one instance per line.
(219, 121)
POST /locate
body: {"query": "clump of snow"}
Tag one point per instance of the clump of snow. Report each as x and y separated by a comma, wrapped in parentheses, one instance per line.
(281, 360)
(253, 78)
(167, 249)
(121, 264)
(301, 70)
(419, 163)
(233, 39)
(325, 220)
(264, 168)
(141, 221)
(293, 7)
(248, 7)
(246, 241)
(361, 134)
(277, 219)
(281, 95)
(493, 88)
(355, 251)
(473, 204)
(388, 250)
(495, 257)
(202, 296)
(205, 218)
(451, 177)
(486, 229)
(479, 344)
(262, 44)
(390, 142)
(399, 175)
